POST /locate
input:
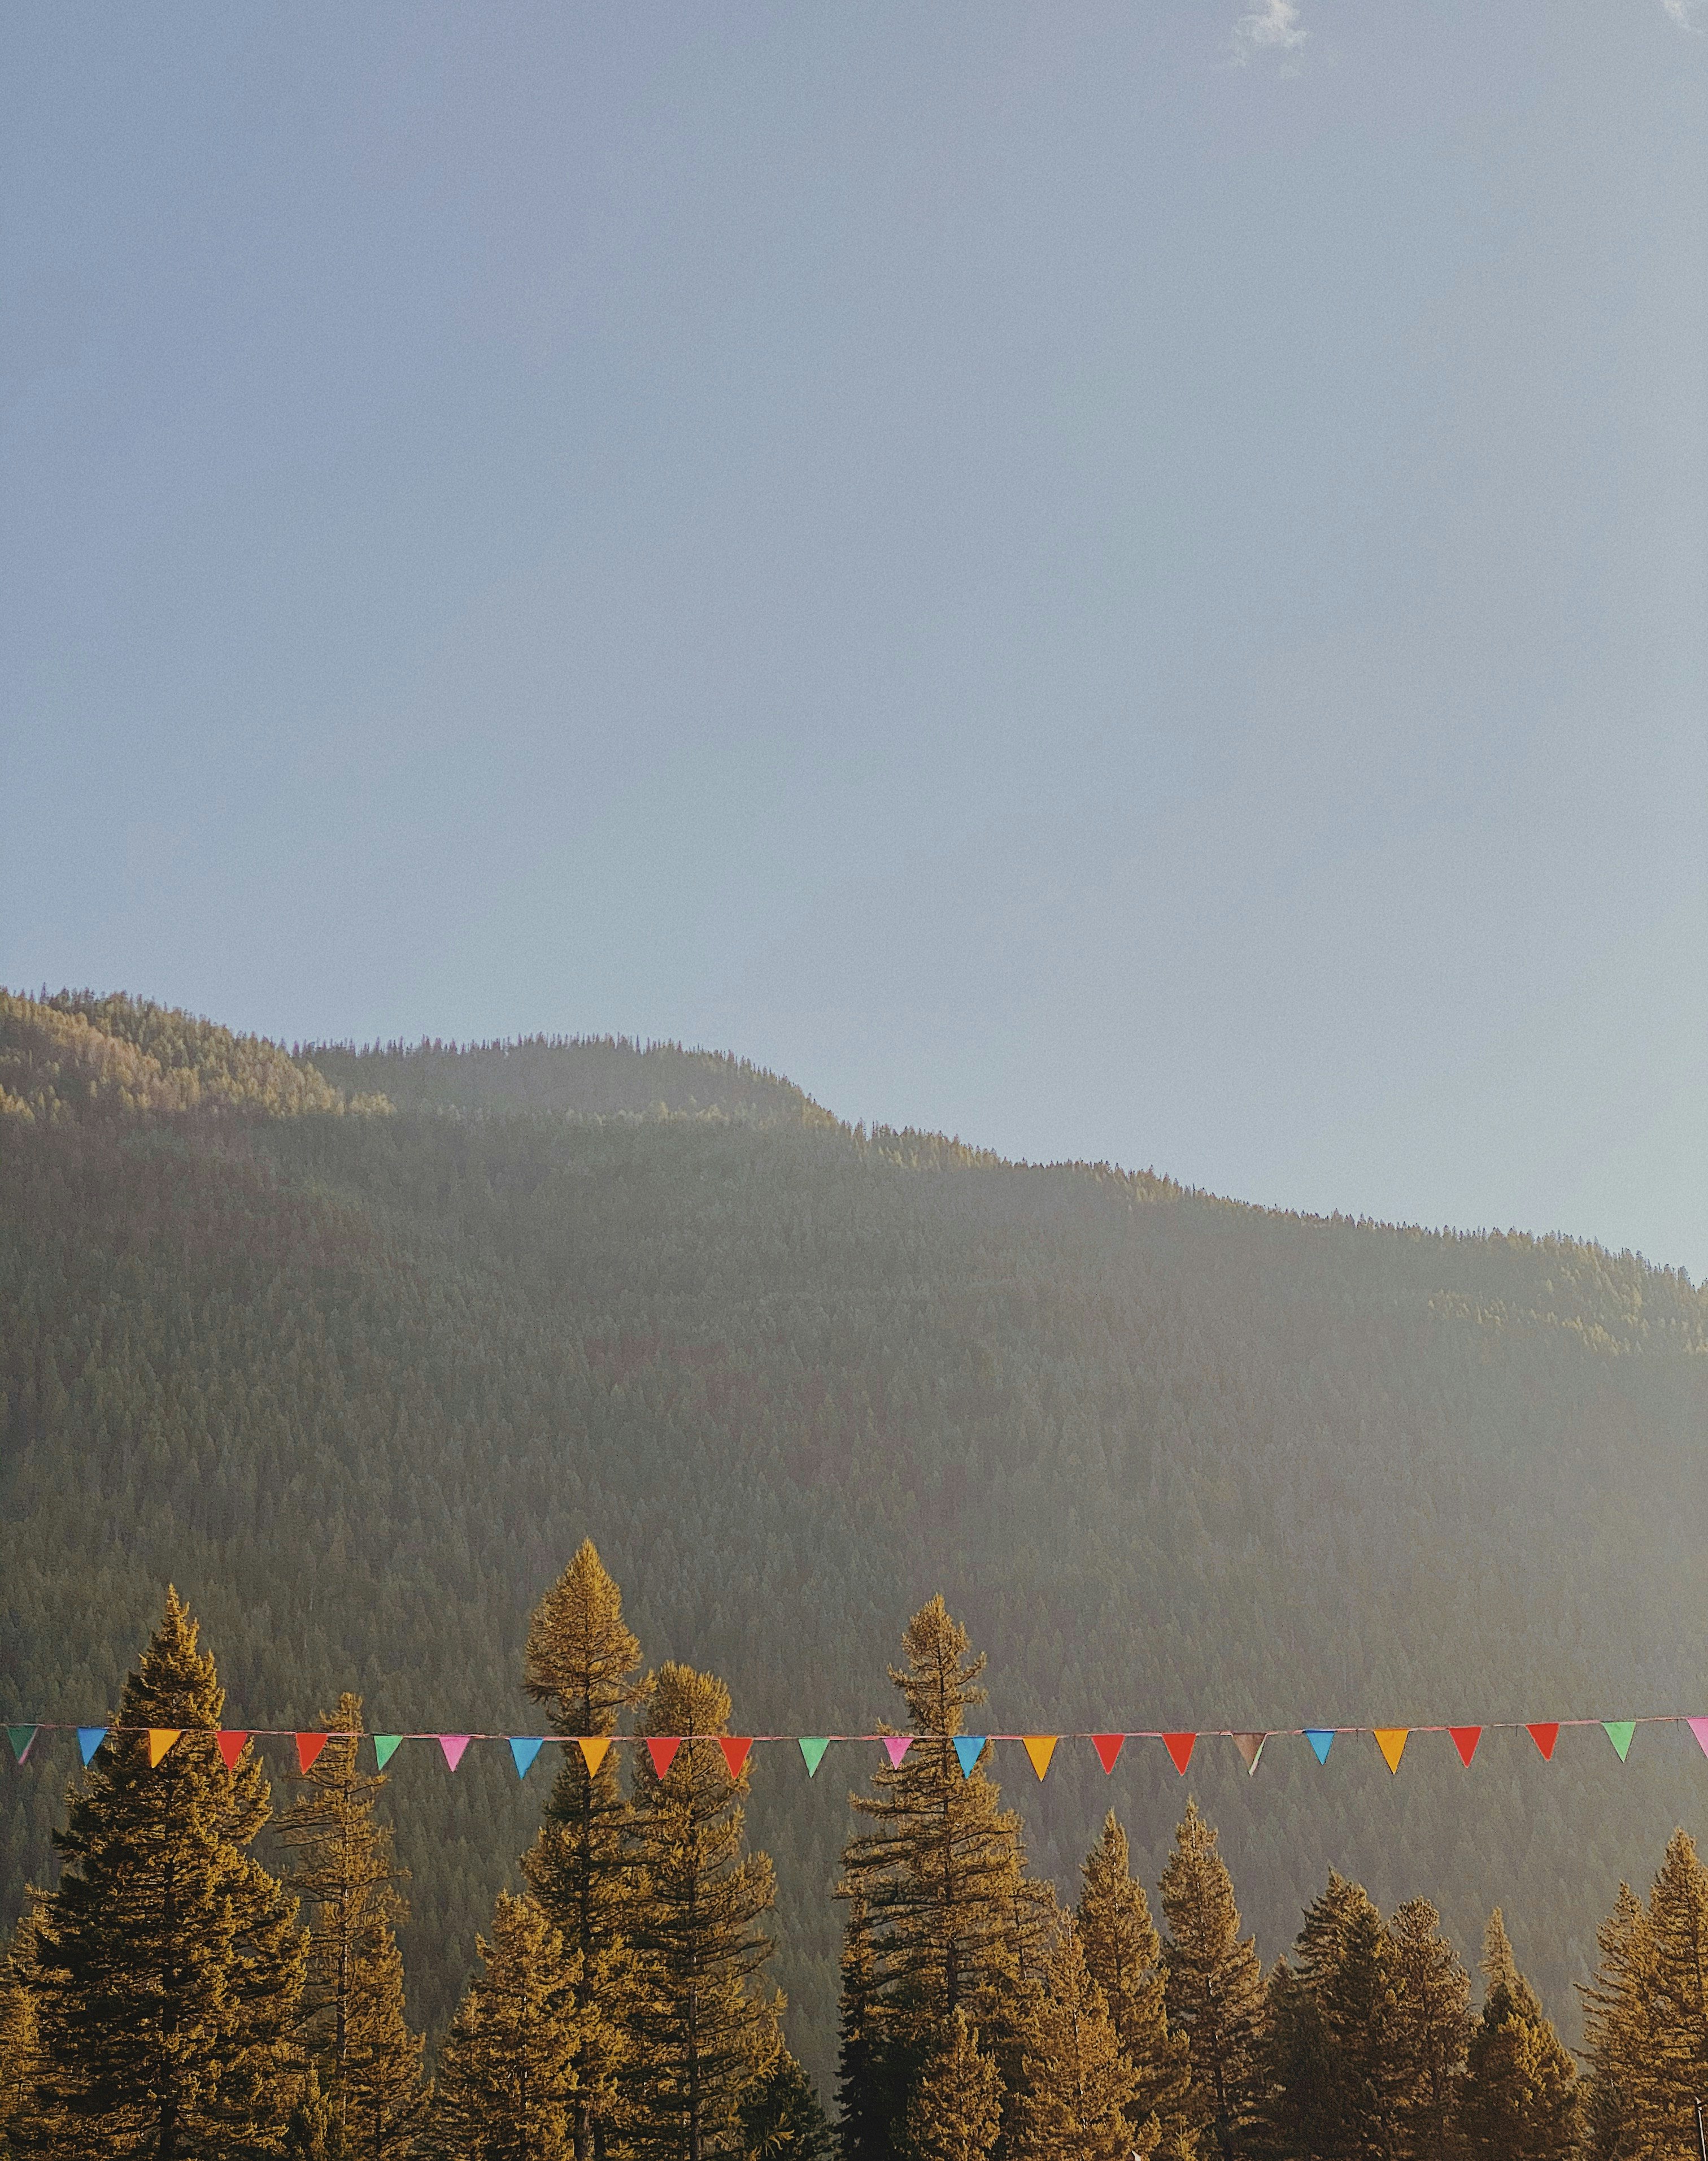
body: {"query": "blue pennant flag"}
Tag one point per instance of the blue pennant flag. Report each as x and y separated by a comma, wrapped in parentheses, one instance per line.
(89, 1739)
(1321, 1740)
(969, 1747)
(524, 1748)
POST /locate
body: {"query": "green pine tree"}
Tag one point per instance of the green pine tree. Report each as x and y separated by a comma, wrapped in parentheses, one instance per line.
(1077, 2085)
(863, 2131)
(169, 1964)
(955, 2111)
(1214, 1987)
(506, 2071)
(1520, 2099)
(353, 2022)
(1124, 1954)
(582, 1663)
(778, 2117)
(701, 2029)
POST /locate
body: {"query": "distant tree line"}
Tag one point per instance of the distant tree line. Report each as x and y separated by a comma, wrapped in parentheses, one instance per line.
(178, 1996)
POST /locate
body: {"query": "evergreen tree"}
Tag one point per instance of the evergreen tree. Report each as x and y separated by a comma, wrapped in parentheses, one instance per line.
(1621, 2046)
(1123, 1956)
(1214, 1985)
(582, 1663)
(19, 2069)
(1330, 2054)
(1430, 2031)
(779, 2118)
(701, 2032)
(863, 2123)
(955, 2111)
(506, 2071)
(1520, 2095)
(168, 1963)
(367, 2062)
(1675, 1946)
(1077, 2085)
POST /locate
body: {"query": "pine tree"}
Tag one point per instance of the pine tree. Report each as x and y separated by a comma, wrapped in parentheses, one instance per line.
(778, 2117)
(864, 2122)
(1329, 2053)
(582, 1663)
(701, 2032)
(955, 2111)
(1077, 2085)
(168, 1963)
(1123, 1956)
(1430, 2031)
(506, 2071)
(18, 2067)
(1675, 1946)
(1520, 2095)
(368, 2063)
(1621, 2046)
(1214, 1985)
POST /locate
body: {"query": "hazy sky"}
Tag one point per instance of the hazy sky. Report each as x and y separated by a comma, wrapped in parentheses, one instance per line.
(1127, 580)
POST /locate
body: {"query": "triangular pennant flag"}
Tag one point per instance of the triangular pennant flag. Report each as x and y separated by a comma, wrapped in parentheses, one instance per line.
(1108, 1746)
(453, 1744)
(1544, 1737)
(1699, 1726)
(735, 1752)
(20, 1736)
(308, 1747)
(1251, 1747)
(231, 1747)
(895, 1746)
(386, 1747)
(1040, 1747)
(663, 1752)
(89, 1739)
(1619, 1732)
(969, 1747)
(1465, 1740)
(524, 1748)
(160, 1739)
(1321, 1740)
(1391, 1741)
(594, 1748)
(813, 1748)
(1180, 1748)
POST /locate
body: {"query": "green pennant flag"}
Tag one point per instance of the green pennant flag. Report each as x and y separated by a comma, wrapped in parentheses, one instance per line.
(386, 1747)
(20, 1736)
(1619, 1732)
(813, 1748)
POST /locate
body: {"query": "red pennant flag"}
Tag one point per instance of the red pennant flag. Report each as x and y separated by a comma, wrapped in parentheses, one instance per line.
(663, 1754)
(1180, 1748)
(308, 1747)
(1544, 1737)
(1465, 1740)
(231, 1747)
(1108, 1746)
(735, 1752)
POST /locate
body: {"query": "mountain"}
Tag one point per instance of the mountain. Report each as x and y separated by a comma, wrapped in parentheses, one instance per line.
(356, 1347)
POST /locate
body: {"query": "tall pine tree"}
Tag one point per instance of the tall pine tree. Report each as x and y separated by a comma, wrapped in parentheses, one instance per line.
(955, 2111)
(1622, 2047)
(1331, 2057)
(353, 2025)
(168, 1963)
(1520, 2096)
(1077, 2084)
(1430, 2031)
(701, 2030)
(1214, 1987)
(507, 2069)
(1675, 1968)
(1124, 1954)
(582, 1663)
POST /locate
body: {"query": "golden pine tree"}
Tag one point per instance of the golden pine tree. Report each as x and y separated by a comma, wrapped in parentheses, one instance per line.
(955, 2111)
(1076, 2085)
(1621, 2046)
(1674, 1943)
(1520, 2101)
(18, 2067)
(506, 2080)
(168, 1965)
(1123, 1956)
(1430, 2031)
(353, 2022)
(1214, 1985)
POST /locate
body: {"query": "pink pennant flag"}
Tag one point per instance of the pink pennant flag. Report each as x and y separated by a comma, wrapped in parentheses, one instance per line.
(895, 1746)
(1699, 1726)
(453, 1744)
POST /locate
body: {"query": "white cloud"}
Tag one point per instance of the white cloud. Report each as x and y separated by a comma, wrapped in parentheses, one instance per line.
(1274, 27)
(1684, 12)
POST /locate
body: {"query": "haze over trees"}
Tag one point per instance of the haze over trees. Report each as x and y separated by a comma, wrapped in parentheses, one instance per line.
(359, 1376)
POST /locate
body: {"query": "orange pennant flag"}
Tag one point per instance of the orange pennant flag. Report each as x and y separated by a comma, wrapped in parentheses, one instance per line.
(1109, 1746)
(1040, 1747)
(594, 1748)
(231, 1746)
(1180, 1749)
(308, 1747)
(1465, 1740)
(1391, 1741)
(1544, 1737)
(160, 1739)
(735, 1753)
(663, 1752)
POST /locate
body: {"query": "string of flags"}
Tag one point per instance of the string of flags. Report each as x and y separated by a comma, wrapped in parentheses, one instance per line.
(736, 1748)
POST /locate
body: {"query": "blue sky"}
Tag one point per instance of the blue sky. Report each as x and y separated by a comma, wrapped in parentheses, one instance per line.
(1130, 581)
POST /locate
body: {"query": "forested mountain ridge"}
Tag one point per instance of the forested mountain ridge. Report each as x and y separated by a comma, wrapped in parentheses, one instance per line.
(360, 1384)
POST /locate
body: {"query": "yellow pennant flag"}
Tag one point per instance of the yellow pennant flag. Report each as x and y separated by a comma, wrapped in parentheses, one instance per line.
(594, 1748)
(1391, 1741)
(160, 1739)
(1040, 1747)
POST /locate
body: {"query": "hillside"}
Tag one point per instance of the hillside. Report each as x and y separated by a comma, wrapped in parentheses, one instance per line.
(359, 1376)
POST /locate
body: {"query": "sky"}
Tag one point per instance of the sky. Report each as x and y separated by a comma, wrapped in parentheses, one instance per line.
(1130, 582)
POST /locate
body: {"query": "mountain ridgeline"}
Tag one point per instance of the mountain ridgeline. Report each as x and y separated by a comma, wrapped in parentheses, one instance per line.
(357, 1347)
